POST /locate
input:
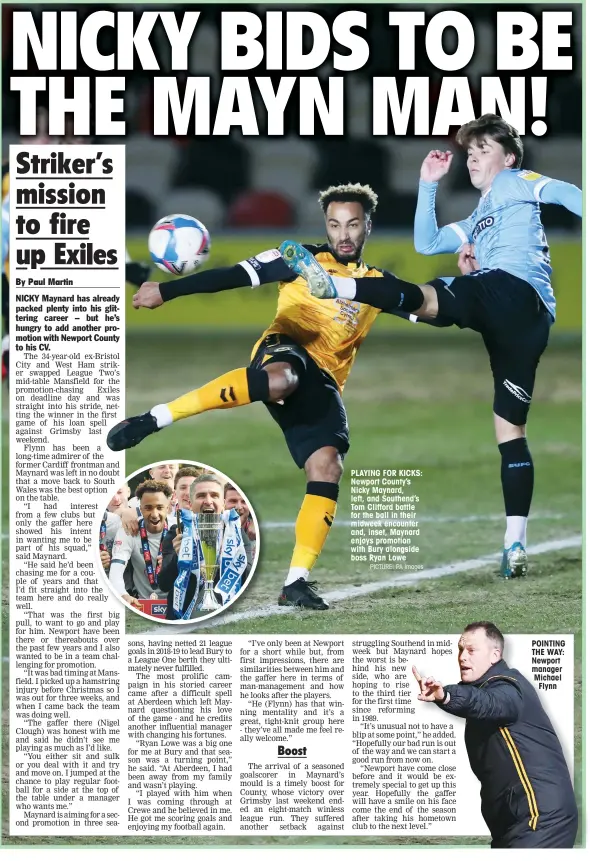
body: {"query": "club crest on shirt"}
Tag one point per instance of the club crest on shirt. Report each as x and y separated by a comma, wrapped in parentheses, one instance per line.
(529, 174)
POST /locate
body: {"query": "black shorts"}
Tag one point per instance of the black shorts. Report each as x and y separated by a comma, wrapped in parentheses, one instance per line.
(514, 325)
(314, 415)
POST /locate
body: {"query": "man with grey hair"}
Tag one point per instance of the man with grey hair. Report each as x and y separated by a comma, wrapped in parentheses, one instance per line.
(206, 494)
(206, 497)
(527, 798)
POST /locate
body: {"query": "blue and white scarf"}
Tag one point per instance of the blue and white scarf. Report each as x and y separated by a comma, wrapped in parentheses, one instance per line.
(231, 556)
(190, 560)
(233, 561)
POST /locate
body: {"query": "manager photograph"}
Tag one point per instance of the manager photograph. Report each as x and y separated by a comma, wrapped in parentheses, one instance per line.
(527, 797)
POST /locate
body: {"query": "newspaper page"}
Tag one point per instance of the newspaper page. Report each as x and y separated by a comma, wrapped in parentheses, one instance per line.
(356, 621)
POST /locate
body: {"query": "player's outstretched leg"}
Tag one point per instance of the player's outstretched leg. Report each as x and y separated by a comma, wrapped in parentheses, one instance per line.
(388, 293)
(234, 389)
(515, 348)
(302, 261)
(314, 520)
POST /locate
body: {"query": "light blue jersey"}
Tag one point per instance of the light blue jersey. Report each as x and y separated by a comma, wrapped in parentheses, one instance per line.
(506, 227)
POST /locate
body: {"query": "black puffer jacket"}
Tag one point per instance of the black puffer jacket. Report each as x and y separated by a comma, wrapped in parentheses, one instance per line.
(514, 752)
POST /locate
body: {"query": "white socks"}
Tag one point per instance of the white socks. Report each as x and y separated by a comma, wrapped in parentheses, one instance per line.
(515, 531)
(296, 573)
(345, 287)
(162, 415)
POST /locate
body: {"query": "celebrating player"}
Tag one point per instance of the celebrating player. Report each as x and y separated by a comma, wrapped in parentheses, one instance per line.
(298, 369)
(144, 551)
(508, 299)
(182, 485)
(111, 523)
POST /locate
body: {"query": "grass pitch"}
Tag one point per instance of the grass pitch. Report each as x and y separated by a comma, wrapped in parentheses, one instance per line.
(413, 402)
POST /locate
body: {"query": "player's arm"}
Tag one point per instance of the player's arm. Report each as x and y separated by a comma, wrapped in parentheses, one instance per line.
(122, 548)
(129, 520)
(565, 194)
(265, 268)
(526, 186)
(500, 701)
(428, 237)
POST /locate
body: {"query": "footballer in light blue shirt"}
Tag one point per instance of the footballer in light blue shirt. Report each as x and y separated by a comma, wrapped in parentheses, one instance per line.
(504, 291)
(504, 254)
(505, 228)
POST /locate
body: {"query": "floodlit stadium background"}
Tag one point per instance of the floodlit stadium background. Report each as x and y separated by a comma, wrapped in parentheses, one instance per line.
(253, 191)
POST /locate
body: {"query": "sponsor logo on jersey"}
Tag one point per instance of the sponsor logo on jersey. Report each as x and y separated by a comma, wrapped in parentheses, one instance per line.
(518, 392)
(529, 174)
(269, 256)
(482, 224)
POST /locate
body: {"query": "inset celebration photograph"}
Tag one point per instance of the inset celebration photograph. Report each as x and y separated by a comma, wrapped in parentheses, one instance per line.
(177, 542)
